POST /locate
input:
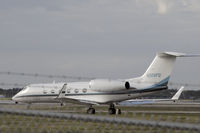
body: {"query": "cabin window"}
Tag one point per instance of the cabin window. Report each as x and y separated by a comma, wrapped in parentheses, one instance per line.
(76, 90)
(52, 91)
(45, 92)
(84, 90)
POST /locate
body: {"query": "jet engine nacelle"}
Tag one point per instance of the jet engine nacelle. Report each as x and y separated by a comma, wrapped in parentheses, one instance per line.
(106, 85)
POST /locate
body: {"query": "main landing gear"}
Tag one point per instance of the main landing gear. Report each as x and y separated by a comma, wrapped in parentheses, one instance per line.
(91, 110)
(112, 110)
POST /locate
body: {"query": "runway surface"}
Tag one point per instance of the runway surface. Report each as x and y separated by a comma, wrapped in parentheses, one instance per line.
(180, 107)
(177, 117)
(5, 102)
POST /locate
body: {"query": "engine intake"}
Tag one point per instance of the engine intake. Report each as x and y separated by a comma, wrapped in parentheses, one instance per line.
(107, 85)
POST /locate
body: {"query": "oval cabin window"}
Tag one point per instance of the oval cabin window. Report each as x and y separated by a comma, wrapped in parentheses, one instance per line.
(84, 90)
(76, 90)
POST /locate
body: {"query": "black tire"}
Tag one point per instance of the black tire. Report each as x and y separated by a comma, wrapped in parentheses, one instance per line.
(91, 111)
(111, 111)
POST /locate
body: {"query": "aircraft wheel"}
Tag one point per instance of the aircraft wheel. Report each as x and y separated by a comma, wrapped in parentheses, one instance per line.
(111, 111)
(118, 111)
(91, 111)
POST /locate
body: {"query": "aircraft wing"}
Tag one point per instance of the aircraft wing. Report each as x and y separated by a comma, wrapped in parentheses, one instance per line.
(152, 101)
(78, 101)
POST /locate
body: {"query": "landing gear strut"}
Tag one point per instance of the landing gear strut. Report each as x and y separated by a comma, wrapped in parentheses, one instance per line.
(112, 110)
(91, 110)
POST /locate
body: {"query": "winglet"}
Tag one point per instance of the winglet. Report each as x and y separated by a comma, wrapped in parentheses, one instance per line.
(178, 93)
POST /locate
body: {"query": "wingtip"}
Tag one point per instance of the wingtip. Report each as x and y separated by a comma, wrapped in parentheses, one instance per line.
(177, 54)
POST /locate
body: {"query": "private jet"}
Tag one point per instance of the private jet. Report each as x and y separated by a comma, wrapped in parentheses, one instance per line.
(105, 91)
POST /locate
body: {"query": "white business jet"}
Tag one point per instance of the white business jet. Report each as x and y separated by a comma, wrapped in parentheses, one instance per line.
(105, 91)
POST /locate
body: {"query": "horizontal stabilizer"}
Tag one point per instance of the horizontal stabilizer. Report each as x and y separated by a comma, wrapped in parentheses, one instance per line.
(176, 54)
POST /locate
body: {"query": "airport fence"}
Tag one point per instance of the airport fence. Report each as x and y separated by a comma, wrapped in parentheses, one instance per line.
(27, 121)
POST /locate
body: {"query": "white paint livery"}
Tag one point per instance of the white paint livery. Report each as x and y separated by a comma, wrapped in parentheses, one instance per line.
(107, 85)
(105, 91)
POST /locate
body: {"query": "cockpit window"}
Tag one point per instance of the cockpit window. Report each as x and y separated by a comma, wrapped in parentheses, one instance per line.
(24, 88)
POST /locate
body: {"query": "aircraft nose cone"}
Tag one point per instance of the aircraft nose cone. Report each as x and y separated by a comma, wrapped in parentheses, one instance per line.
(13, 98)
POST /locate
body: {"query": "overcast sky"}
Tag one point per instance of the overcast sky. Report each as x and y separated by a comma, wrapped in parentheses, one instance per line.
(97, 38)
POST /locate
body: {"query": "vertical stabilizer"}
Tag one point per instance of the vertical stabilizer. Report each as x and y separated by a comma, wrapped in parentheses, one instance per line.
(160, 69)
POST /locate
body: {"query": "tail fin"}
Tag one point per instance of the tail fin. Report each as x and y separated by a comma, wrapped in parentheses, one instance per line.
(178, 94)
(160, 69)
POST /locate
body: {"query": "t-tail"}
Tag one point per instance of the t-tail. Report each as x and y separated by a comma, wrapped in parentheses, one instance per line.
(159, 71)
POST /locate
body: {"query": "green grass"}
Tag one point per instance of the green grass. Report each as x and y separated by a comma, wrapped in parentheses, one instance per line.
(24, 124)
(136, 112)
(5, 98)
